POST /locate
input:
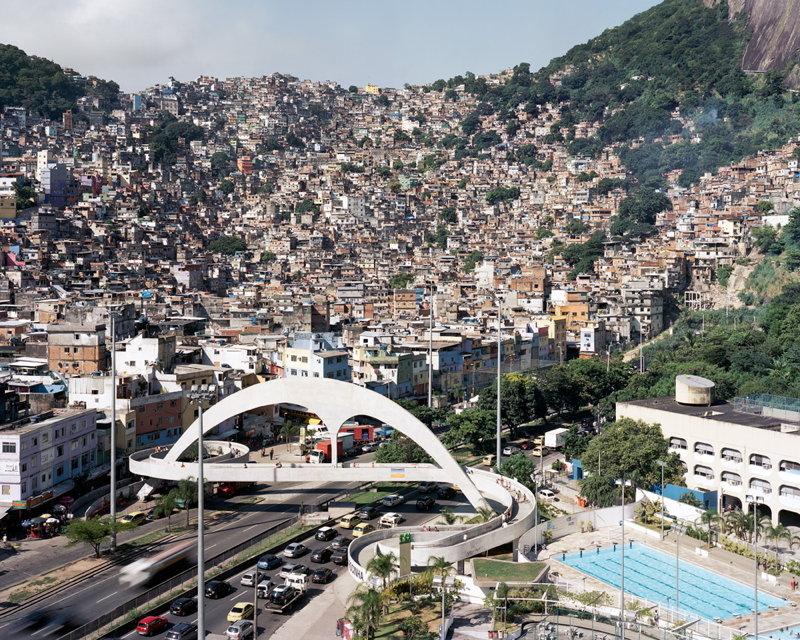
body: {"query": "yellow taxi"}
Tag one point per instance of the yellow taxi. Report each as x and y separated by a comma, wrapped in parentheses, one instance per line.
(360, 529)
(241, 611)
(348, 522)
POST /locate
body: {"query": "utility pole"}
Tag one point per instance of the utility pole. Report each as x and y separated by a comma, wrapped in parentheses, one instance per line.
(430, 352)
(113, 445)
(499, 374)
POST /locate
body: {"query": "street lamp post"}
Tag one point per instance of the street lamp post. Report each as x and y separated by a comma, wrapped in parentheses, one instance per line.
(677, 567)
(752, 501)
(499, 373)
(662, 464)
(623, 484)
(255, 602)
(430, 353)
(200, 396)
(113, 444)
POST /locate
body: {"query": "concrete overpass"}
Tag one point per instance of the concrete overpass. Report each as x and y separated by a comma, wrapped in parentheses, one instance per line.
(335, 403)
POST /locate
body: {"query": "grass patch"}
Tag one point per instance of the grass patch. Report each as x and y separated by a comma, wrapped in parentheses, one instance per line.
(504, 571)
(144, 540)
(18, 597)
(379, 491)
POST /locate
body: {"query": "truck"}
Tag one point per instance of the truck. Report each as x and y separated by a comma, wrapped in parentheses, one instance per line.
(288, 595)
(554, 439)
(322, 450)
(362, 433)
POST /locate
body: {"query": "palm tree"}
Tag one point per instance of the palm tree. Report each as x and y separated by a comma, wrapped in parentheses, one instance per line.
(186, 495)
(776, 534)
(382, 565)
(738, 523)
(166, 505)
(450, 517)
(709, 517)
(365, 610)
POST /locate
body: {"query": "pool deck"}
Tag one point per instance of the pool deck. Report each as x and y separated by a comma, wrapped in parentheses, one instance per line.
(719, 561)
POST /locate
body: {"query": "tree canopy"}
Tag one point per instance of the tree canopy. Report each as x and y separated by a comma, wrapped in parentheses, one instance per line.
(227, 245)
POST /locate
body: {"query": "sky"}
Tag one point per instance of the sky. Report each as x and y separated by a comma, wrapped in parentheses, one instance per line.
(140, 43)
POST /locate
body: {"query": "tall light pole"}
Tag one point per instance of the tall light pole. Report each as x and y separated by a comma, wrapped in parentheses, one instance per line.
(752, 501)
(677, 567)
(255, 602)
(662, 464)
(621, 482)
(113, 445)
(430, 352)
(200, 396)
(499, 374)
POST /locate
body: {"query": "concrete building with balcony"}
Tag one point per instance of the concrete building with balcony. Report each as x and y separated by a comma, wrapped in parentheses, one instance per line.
(747, 450)
(40, 454)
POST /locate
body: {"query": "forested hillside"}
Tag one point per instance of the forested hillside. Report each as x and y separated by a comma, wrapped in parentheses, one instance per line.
(41, 86)
(666, 86)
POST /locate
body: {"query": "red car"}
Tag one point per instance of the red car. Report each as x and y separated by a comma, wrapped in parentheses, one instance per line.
(151, 625)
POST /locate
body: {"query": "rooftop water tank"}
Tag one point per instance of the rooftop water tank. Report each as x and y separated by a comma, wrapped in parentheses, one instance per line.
(694, 390)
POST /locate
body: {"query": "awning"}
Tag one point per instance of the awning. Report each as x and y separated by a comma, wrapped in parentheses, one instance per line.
(4, 509)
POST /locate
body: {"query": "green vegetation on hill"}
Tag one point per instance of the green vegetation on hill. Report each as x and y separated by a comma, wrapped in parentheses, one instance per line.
(673, 70)
(41, 86)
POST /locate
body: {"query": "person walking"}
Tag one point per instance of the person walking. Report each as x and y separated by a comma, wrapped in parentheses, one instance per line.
(271, 454)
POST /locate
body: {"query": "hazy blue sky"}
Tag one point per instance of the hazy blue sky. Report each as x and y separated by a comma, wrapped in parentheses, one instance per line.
(139, 43)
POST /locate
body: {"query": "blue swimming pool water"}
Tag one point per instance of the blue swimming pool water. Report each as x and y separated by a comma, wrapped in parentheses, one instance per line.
(650, 574)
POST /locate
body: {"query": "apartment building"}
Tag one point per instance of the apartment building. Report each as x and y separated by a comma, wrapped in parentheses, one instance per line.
(747, 450)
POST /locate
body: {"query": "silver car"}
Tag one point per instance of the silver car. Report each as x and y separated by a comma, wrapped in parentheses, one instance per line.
(239, 630)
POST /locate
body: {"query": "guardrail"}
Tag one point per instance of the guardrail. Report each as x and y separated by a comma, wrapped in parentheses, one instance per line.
(172, 583)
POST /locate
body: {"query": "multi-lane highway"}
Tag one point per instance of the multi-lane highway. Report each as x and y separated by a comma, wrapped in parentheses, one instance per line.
(101, 593)
(268, 623)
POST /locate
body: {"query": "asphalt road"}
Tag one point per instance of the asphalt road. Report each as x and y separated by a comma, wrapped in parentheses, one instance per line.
(268, 623)
(103, 592)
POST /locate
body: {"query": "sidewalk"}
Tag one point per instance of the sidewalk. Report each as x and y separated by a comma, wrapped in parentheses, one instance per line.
(317, 619)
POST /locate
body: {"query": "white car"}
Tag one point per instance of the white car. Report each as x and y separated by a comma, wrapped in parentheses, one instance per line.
(240, 630)
(510, 450)
(295, 550)
(249, 578)
(546, 494)
(392, 500)
(391, 519)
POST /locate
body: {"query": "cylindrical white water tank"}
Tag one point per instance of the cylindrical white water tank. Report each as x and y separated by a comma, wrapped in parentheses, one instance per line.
(694, 390)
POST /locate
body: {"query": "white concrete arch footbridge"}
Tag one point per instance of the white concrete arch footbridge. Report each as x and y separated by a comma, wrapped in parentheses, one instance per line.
(335, 402)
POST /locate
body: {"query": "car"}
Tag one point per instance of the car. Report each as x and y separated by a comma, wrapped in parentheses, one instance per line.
(525, 445)
(239, 630)
(151, 625)
(339, 556)
(425, 504)
(368, 513)
(427, 487)
(217, 589)
(350, 521)
(252, 578)
(538, 441)
(281, 594)
(265, 587)
(295, 550)
(445, 492)
(183, 606)
(136, 517)
(362, 529)
(540, 451)
(182, 631)
(510, 450)
(269, 561)
(340, 542)
(35, 619)
(391, 519)
(546, 494)
(321, 555)
(58, 624)
(488, 461)
(240, 611)
(369, 447)
(291, 568)
(392, 500)
(322, 575)
(325, 533)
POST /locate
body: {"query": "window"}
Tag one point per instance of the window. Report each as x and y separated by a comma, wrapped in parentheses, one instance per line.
(9, 447)
(7, 487)
(60, 448)
(25, 465)
(66, 350)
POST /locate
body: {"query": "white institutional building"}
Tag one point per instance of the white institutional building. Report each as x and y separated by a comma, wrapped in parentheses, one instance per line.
(748, 449)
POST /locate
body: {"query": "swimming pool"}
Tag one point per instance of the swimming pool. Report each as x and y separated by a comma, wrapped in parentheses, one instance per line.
(650, 574)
